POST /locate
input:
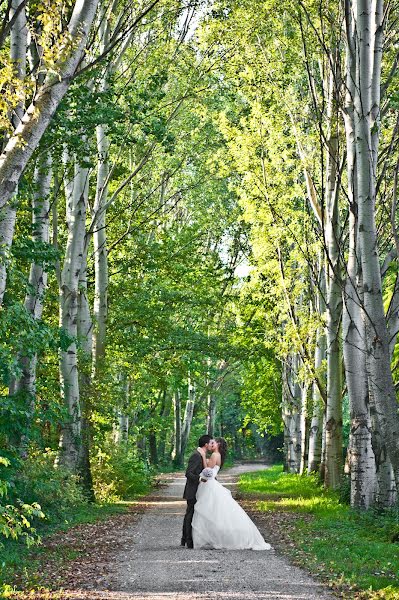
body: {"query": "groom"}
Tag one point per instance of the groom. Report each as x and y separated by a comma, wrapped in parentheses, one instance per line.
(194, 469)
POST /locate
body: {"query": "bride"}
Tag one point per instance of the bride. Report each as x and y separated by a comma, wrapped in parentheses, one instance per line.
(219, 521)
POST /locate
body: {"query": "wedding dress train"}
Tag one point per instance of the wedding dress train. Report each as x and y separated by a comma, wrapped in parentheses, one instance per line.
(219, 521)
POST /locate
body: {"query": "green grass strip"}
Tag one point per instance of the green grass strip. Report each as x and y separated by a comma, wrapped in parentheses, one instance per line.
(357, 550)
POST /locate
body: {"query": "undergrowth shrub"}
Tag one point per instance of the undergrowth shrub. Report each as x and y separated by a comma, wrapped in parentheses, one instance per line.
(53, 487)
(16, 518)
(118, 473)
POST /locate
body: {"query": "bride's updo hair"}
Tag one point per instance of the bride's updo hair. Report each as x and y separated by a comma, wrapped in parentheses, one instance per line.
(222, 447)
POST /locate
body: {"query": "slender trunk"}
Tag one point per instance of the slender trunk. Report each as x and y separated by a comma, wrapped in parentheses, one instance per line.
(211, 416)
(316, 424)
(176, 454)
(333, 425)
(188, 416)
(100, 251)
(165, 415)
(121, 428)
(291, 414)
(84, 331)
(152, 441)
(99, 217)
(76, 192)
(304, 429)
(37, 283)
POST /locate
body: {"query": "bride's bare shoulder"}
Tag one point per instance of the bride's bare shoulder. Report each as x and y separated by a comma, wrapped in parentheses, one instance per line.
(215, 459)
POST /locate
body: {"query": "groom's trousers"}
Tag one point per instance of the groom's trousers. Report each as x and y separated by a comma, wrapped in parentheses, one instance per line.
(188, 517)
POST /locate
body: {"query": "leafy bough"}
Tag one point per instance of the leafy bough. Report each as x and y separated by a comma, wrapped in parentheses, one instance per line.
(15, 520)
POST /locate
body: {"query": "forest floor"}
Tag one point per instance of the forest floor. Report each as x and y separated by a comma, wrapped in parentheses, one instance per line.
(137, 556)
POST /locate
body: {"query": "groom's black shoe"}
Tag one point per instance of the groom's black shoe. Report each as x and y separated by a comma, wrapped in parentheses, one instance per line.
(190, 545)
(182, 542)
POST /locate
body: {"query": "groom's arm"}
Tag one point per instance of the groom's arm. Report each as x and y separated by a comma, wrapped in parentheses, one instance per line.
(194, 467)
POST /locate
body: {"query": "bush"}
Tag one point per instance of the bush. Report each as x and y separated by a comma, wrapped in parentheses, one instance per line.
(118, 473)
(54, 488)
(15, 519)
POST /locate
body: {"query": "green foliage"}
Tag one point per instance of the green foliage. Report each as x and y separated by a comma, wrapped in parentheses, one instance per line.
(119, 473)
(53, 487)
(16, 519)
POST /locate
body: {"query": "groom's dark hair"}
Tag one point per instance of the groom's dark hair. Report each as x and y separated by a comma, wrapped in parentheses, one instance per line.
(204, 439)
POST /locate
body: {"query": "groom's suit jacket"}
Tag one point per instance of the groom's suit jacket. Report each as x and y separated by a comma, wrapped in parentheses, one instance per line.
(194, 469)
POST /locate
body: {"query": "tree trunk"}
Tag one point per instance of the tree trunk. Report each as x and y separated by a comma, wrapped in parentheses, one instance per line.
(27, 135)
(165, 414)
(152, 440)
(121, 428)
(367, 56)
(304, 429)
(18, 46)
(188, 416)
(84, 331)
(34, 299)
(76, 192)
(99, 221)
(316, 424)
(37, 117)
(333, 425)
(176, 454)
(292, 400)
(360, 452)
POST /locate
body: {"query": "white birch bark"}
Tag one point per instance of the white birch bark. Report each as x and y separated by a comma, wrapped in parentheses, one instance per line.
(99, 218)
(37, 117)
(291, 414)
(211, 416)
(76, 192)
(368, 17)
(18, 45)
(188, 415)
(35, 121)
(361, 457)
(37, 283)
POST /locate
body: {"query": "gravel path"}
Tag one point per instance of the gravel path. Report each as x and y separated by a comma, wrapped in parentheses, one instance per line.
(152, 565)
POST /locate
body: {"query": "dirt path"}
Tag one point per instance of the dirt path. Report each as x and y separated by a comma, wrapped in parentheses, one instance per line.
(150, 564)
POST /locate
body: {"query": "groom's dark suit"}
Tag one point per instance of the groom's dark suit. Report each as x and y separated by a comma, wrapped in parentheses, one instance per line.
(194, 469)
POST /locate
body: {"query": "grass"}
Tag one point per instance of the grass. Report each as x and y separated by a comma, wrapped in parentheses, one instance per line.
(354, 550)
(17, 559)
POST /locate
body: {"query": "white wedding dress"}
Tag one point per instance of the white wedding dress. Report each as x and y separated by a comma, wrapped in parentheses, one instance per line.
(219, 521)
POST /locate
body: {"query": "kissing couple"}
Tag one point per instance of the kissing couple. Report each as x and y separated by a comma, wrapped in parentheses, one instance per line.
(213, 518)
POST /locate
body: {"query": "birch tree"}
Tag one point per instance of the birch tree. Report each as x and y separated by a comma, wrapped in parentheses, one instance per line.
(366, 53)
(76, 193)
(37, 117)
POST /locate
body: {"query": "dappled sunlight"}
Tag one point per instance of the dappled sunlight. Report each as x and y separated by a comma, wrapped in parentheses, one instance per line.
(306, 505)
(276, 483)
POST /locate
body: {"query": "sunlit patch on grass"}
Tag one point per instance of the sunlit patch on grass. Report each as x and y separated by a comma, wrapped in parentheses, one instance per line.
(348, 548)
(312, 504)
